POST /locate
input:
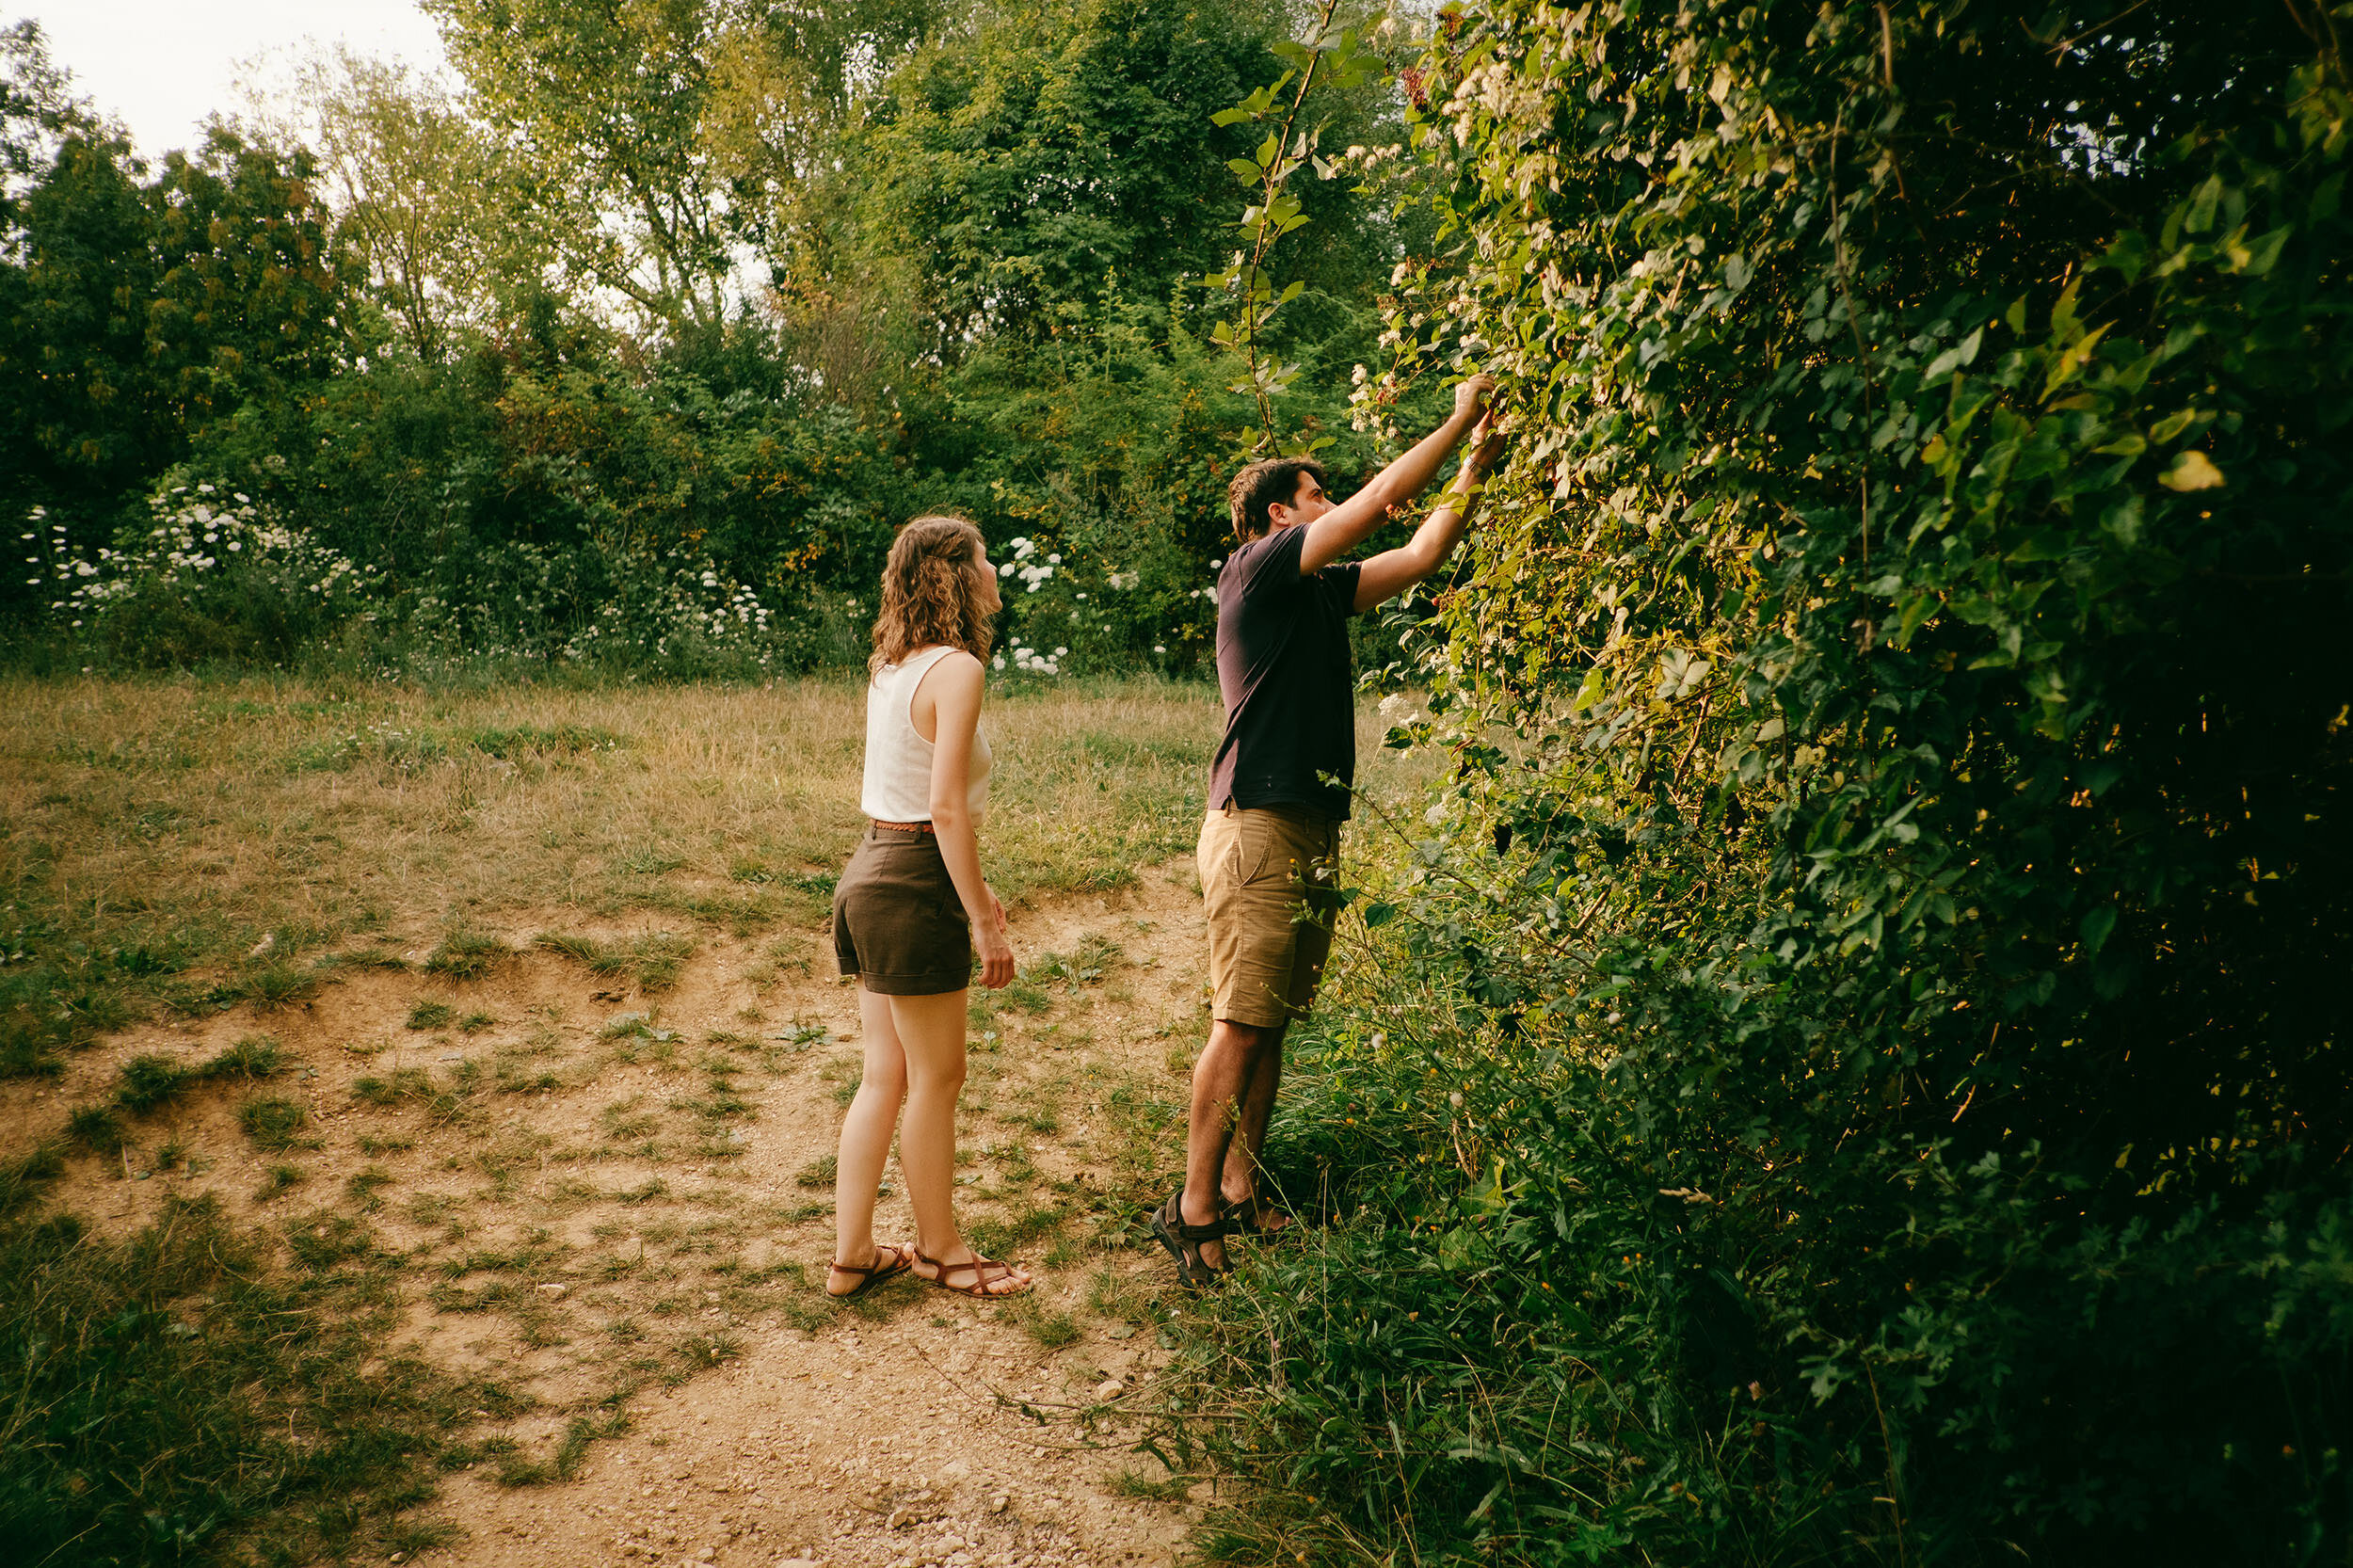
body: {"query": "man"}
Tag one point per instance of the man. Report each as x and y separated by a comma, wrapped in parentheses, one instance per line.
(1269, 846)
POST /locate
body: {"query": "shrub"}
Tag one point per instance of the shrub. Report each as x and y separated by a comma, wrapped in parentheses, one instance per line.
(212, 575)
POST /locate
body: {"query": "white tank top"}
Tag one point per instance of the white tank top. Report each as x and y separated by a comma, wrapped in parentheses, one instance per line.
(898, 760)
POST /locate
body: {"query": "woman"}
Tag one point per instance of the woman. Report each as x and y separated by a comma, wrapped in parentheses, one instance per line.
(912, 905)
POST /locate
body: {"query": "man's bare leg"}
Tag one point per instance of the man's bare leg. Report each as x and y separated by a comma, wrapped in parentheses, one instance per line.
(1223, 1084)
(1241, 1176)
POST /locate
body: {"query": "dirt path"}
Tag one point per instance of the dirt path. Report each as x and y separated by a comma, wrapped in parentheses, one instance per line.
(613, 1208)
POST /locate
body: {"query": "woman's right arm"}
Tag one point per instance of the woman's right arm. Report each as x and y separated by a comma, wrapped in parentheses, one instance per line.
(954, 687)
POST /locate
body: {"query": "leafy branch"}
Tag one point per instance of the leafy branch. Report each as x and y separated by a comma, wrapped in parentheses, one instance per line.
(1334, 62)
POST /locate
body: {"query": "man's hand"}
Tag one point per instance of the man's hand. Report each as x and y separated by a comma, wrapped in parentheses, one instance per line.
(1344, 527)
(1486, 443)
(1393, 571)
(1470, 397)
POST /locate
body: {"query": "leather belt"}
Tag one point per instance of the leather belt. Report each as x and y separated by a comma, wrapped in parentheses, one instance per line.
(905, 826)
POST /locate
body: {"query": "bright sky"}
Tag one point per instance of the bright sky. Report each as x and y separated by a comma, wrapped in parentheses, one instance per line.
(161, 66)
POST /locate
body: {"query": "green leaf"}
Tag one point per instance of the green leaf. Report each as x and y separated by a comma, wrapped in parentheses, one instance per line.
(2192, 471)
(2263, 254)
(2198, 216)
(1231, 117)
(2097, 923)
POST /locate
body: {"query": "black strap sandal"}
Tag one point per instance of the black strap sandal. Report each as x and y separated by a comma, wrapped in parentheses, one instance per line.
(1183, 1241)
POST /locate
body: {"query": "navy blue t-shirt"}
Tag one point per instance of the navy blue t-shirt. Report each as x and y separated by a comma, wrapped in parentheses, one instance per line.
(1282, 667)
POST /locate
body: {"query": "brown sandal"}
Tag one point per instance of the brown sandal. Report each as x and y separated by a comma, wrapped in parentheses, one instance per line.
(982, 1279)
(901, 1259)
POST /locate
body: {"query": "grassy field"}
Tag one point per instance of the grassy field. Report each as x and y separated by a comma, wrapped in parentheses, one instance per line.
(184, 845)
(399, 1084)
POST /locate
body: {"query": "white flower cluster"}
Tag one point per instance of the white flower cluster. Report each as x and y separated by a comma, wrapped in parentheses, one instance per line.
(198, 535)
(1031, 661)
(1028, 565)
(692, 600)
(1125, 580)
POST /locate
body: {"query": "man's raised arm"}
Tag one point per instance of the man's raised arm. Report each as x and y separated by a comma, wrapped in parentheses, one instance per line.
(1393, 571)
(1345, 526)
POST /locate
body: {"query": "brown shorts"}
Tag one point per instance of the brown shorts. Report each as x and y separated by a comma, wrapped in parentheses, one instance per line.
(898, 925)
(1271, 877)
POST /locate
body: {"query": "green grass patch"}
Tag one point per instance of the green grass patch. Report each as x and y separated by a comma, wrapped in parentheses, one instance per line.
(152, 1080)
(467, 955)
(172, 1400)
(277, 1181)
(533, 741)
(430, 1013)
(652, 961)
(275, 1124)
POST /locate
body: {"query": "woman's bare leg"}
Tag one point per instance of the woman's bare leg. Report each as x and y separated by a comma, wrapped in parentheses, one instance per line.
(866, 1139)
(931, 1033)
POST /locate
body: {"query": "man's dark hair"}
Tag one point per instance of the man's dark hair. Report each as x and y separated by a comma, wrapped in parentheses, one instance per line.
(1268, 482)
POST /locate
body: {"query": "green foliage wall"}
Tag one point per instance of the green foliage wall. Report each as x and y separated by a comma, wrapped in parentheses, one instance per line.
(1887, 935)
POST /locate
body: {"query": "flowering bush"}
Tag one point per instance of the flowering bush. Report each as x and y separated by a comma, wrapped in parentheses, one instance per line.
(213, 575)
(1113, 593)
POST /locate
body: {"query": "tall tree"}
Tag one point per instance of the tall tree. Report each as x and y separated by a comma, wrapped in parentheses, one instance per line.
(601, 103)
(421, 191)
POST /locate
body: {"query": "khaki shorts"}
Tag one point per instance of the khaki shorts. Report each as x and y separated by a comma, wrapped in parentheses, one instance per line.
(1271, 877)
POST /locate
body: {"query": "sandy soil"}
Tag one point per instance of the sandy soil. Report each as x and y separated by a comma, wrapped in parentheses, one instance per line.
(613, 1205)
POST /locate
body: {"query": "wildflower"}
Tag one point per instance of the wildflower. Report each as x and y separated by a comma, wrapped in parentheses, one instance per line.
(1158, 647)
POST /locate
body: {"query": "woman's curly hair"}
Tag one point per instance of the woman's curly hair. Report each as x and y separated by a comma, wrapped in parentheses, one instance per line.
(930, 593)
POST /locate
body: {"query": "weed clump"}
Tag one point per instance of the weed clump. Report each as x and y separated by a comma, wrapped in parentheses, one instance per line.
(652, 960)
(429, 1013)
(152, 1080)
(95, 1128)
(275, 1124)
(467, 955)
(276, 1180)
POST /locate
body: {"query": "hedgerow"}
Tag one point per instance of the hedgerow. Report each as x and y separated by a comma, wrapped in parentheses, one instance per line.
(1855, 1070)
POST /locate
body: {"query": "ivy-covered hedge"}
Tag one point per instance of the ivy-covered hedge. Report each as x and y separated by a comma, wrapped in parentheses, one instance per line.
(1858, 1070)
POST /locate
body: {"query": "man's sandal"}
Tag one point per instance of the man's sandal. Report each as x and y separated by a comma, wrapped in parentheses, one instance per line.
(978, 1268)
(1183, 1241)
(901, 1259)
